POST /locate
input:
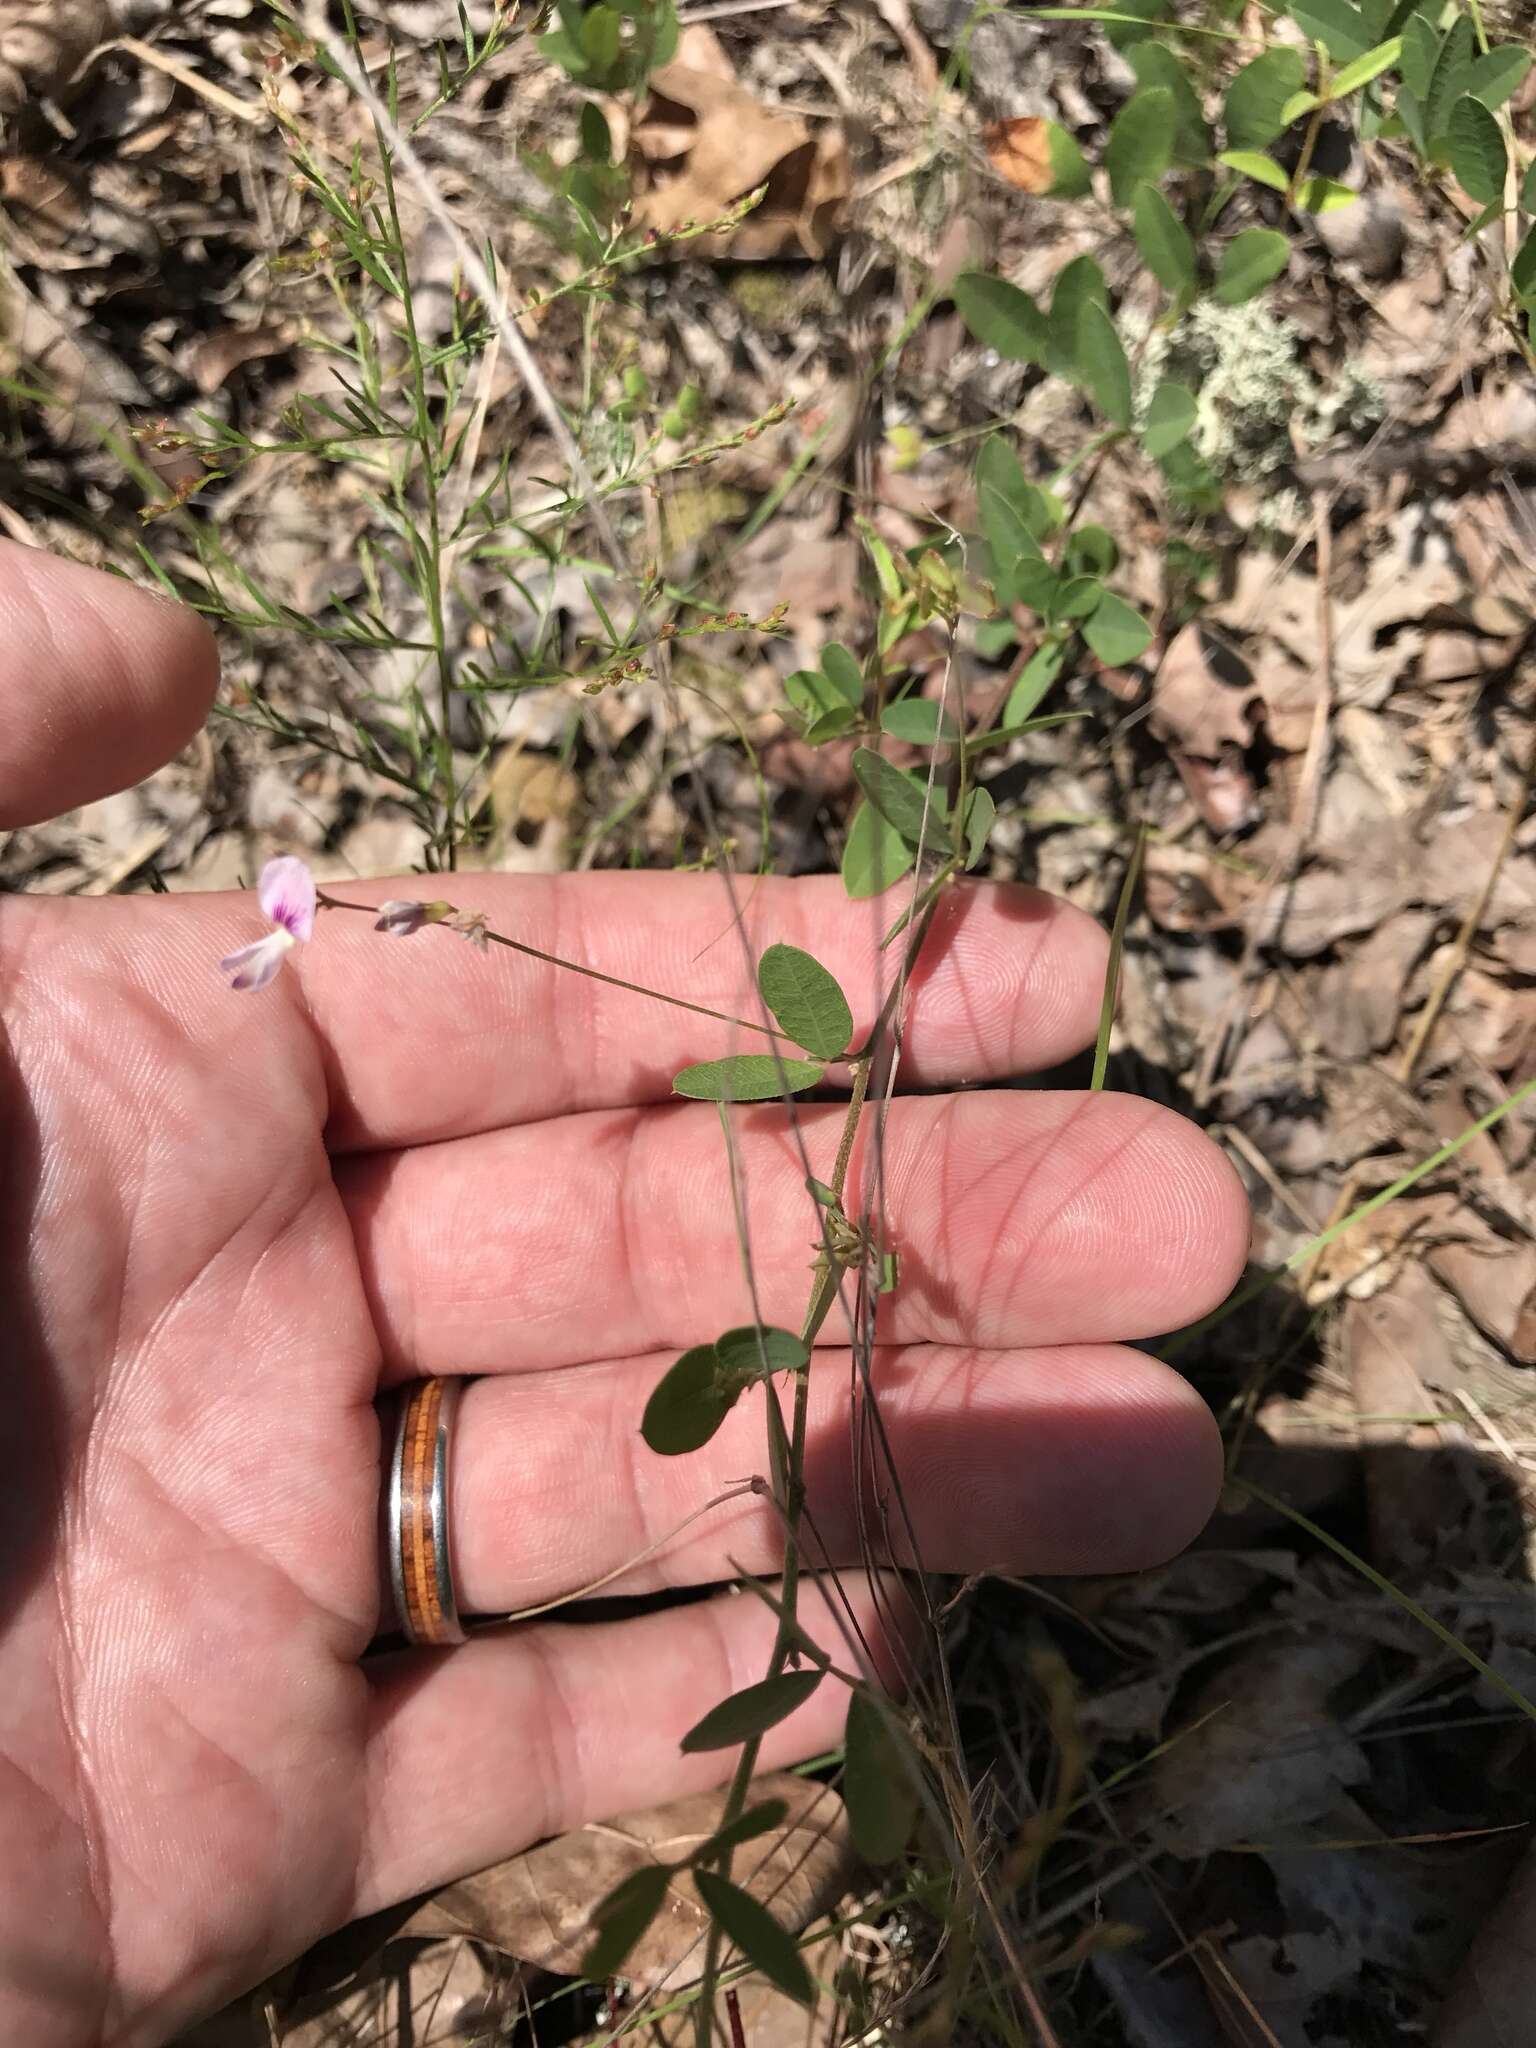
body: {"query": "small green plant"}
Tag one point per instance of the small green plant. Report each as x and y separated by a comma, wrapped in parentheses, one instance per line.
(1209, 171)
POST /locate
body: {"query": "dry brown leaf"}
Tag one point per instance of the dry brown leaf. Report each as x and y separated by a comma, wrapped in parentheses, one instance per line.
(1356, 1003)
(1221, 791)
(54, 206)
(538, 1906)
(702, 142)
(1495, 1282)
(1202, 695)
(214, 358)
(1187, 890)
(1391, 1346)
(1492, 2001)
(43, 43)
(1326, 904)
(1376, 633)
(1263, 1751)
(1020, 151)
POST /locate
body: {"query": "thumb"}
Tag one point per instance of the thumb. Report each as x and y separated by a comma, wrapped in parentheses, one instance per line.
(100, 683)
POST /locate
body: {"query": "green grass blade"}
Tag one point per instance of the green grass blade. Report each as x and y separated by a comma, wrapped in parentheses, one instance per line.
(1404, 1600)
(1309, 1251)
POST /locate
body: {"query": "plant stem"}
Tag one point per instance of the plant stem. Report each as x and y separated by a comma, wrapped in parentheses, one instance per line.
(432, 545)
(633, 988)
(789, 1470)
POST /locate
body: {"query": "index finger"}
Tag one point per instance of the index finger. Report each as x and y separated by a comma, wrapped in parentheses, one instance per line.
(429, 1038)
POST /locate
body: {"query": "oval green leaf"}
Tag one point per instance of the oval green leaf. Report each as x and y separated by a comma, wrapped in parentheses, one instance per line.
(1078, 598)
(1250, 261)
(1254, 164)
(758, 1348)
(1117, 632)
(756, 1933)
(745, 1077)
(831, 725)
(806, 1001)
(1140, 145)
(1323, 195)
(980, 817)
(1164, 241)
(1105, 373)
(1340, 27)
(1092, 551)
(752, 1711)
(1170, 419)
(1421, 46)
(1035, 680)
(998, 473)
(1365, 68)
(688, 1404)
(1447, 82)
(843, 673)
(874, 855)
(757, 1820)
(1494, 77)
(878, 1787)
(912, 807)
(1000, 316)
(622, 1917)
(1257, 95)
(921, 722)
(1478, 156)
(1076, 284)
(815, 696)
(1156, 64)
(1070, 177)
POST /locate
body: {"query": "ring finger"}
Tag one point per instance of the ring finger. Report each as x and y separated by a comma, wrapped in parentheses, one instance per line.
(1077, 1459)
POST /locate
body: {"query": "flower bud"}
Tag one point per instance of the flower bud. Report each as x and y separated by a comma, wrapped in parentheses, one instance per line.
(399, 917)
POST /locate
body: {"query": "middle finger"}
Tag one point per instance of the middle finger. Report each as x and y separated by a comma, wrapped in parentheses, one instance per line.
(1021, 1218)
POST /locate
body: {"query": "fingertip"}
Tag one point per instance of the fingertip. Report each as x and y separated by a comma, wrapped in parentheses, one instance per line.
(1029, 987)
(101, 682)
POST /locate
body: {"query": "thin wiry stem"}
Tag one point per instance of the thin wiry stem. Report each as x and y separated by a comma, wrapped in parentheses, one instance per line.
(634, 988)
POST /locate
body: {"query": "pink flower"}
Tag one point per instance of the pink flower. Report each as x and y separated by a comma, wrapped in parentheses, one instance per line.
(287, 894)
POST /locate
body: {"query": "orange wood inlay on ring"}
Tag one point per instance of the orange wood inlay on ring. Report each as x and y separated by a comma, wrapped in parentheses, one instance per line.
(419, 1535)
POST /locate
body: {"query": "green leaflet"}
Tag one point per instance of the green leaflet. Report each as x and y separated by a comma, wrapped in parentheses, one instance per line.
(1170, 418)
(1141, 142)
(910, 806)
(752, 1711)
(1248, 263)
(756, 1933)
(878, 1787)
(1478, 155)
(874, 856)
(1165, 243)
(1257, 95)
(745, 1077)
(1117, 632)
(1001, 316)
(806, 1001)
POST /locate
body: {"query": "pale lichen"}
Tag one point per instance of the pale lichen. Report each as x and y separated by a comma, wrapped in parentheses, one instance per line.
(1255, 394)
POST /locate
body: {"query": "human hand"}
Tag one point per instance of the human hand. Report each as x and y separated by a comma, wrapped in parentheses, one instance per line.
(225, 1222)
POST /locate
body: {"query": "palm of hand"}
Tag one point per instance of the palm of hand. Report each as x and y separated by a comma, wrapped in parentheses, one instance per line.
(228, 1219)
(198, 1576)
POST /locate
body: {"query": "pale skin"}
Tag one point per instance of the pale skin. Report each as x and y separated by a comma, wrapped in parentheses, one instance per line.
(227, 1220)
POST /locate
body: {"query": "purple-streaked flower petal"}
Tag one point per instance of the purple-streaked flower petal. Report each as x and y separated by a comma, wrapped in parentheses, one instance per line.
(399, 917)
(287, 893)
(254, 966)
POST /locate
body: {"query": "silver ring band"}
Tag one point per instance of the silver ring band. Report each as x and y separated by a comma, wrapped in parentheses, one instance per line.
(417, 1524)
